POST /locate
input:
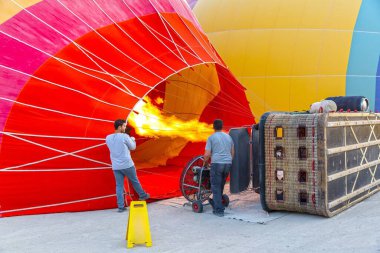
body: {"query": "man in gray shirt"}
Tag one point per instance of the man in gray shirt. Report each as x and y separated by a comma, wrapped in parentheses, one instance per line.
(120, 144)
(220, 148)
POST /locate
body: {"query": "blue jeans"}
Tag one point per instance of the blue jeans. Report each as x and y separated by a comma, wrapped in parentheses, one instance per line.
(219, 173)
(132, 176)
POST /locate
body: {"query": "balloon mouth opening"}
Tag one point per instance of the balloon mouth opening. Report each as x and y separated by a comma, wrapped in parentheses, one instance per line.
(171, 116)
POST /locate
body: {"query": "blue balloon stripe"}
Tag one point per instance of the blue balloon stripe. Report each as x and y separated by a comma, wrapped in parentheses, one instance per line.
(362, 69)
(377, 104)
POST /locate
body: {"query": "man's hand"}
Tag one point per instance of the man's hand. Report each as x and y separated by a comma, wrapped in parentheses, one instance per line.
(206, 157)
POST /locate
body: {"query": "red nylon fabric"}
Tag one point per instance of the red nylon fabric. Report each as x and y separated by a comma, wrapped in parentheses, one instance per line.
(86, 107)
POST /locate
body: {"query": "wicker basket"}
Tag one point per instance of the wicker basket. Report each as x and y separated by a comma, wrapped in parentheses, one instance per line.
(319, 163)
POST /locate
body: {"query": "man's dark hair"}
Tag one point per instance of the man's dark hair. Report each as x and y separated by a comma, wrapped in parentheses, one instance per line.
(118, 122)
(218, 124)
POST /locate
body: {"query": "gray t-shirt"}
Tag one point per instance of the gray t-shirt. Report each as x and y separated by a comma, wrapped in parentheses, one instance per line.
(119, 145)
(220, 145)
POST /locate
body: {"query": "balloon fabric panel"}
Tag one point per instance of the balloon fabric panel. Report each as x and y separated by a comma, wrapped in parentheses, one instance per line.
(70, 68)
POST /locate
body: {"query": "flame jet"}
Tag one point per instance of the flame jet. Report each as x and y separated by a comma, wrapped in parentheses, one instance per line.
(149, 121)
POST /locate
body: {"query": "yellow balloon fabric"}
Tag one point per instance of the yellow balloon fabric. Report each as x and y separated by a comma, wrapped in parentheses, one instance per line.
(9, 9)
(287, 54)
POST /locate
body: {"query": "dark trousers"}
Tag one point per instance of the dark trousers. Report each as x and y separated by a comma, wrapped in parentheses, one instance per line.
(219, 173)
(132, 176)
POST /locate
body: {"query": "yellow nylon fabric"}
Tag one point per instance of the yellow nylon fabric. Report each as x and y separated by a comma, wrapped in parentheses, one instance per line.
(287, 54)
(9, 9)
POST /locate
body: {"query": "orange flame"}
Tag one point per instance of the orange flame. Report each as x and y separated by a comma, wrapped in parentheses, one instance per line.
(159, 100)
(149, 121)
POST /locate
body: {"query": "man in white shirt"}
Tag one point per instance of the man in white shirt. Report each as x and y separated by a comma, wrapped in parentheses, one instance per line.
(120, 144)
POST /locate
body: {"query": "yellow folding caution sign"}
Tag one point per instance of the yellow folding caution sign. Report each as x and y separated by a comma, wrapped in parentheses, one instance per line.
(138, 229)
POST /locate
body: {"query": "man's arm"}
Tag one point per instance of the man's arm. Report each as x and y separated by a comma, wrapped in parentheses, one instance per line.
(207, 156)
(233, 151)
(130, 142)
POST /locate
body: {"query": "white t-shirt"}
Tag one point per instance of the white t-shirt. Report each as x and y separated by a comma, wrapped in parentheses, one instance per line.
(120, 145)
(220, 145)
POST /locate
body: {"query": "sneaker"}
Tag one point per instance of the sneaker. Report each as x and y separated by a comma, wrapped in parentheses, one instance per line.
(120, 210)
(147, 196)
(219, 214)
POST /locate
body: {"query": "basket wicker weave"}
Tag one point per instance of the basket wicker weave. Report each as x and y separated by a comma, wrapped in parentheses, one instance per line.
(320, 163)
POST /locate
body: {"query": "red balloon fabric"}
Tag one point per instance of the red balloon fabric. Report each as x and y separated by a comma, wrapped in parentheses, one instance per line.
(70, 68)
